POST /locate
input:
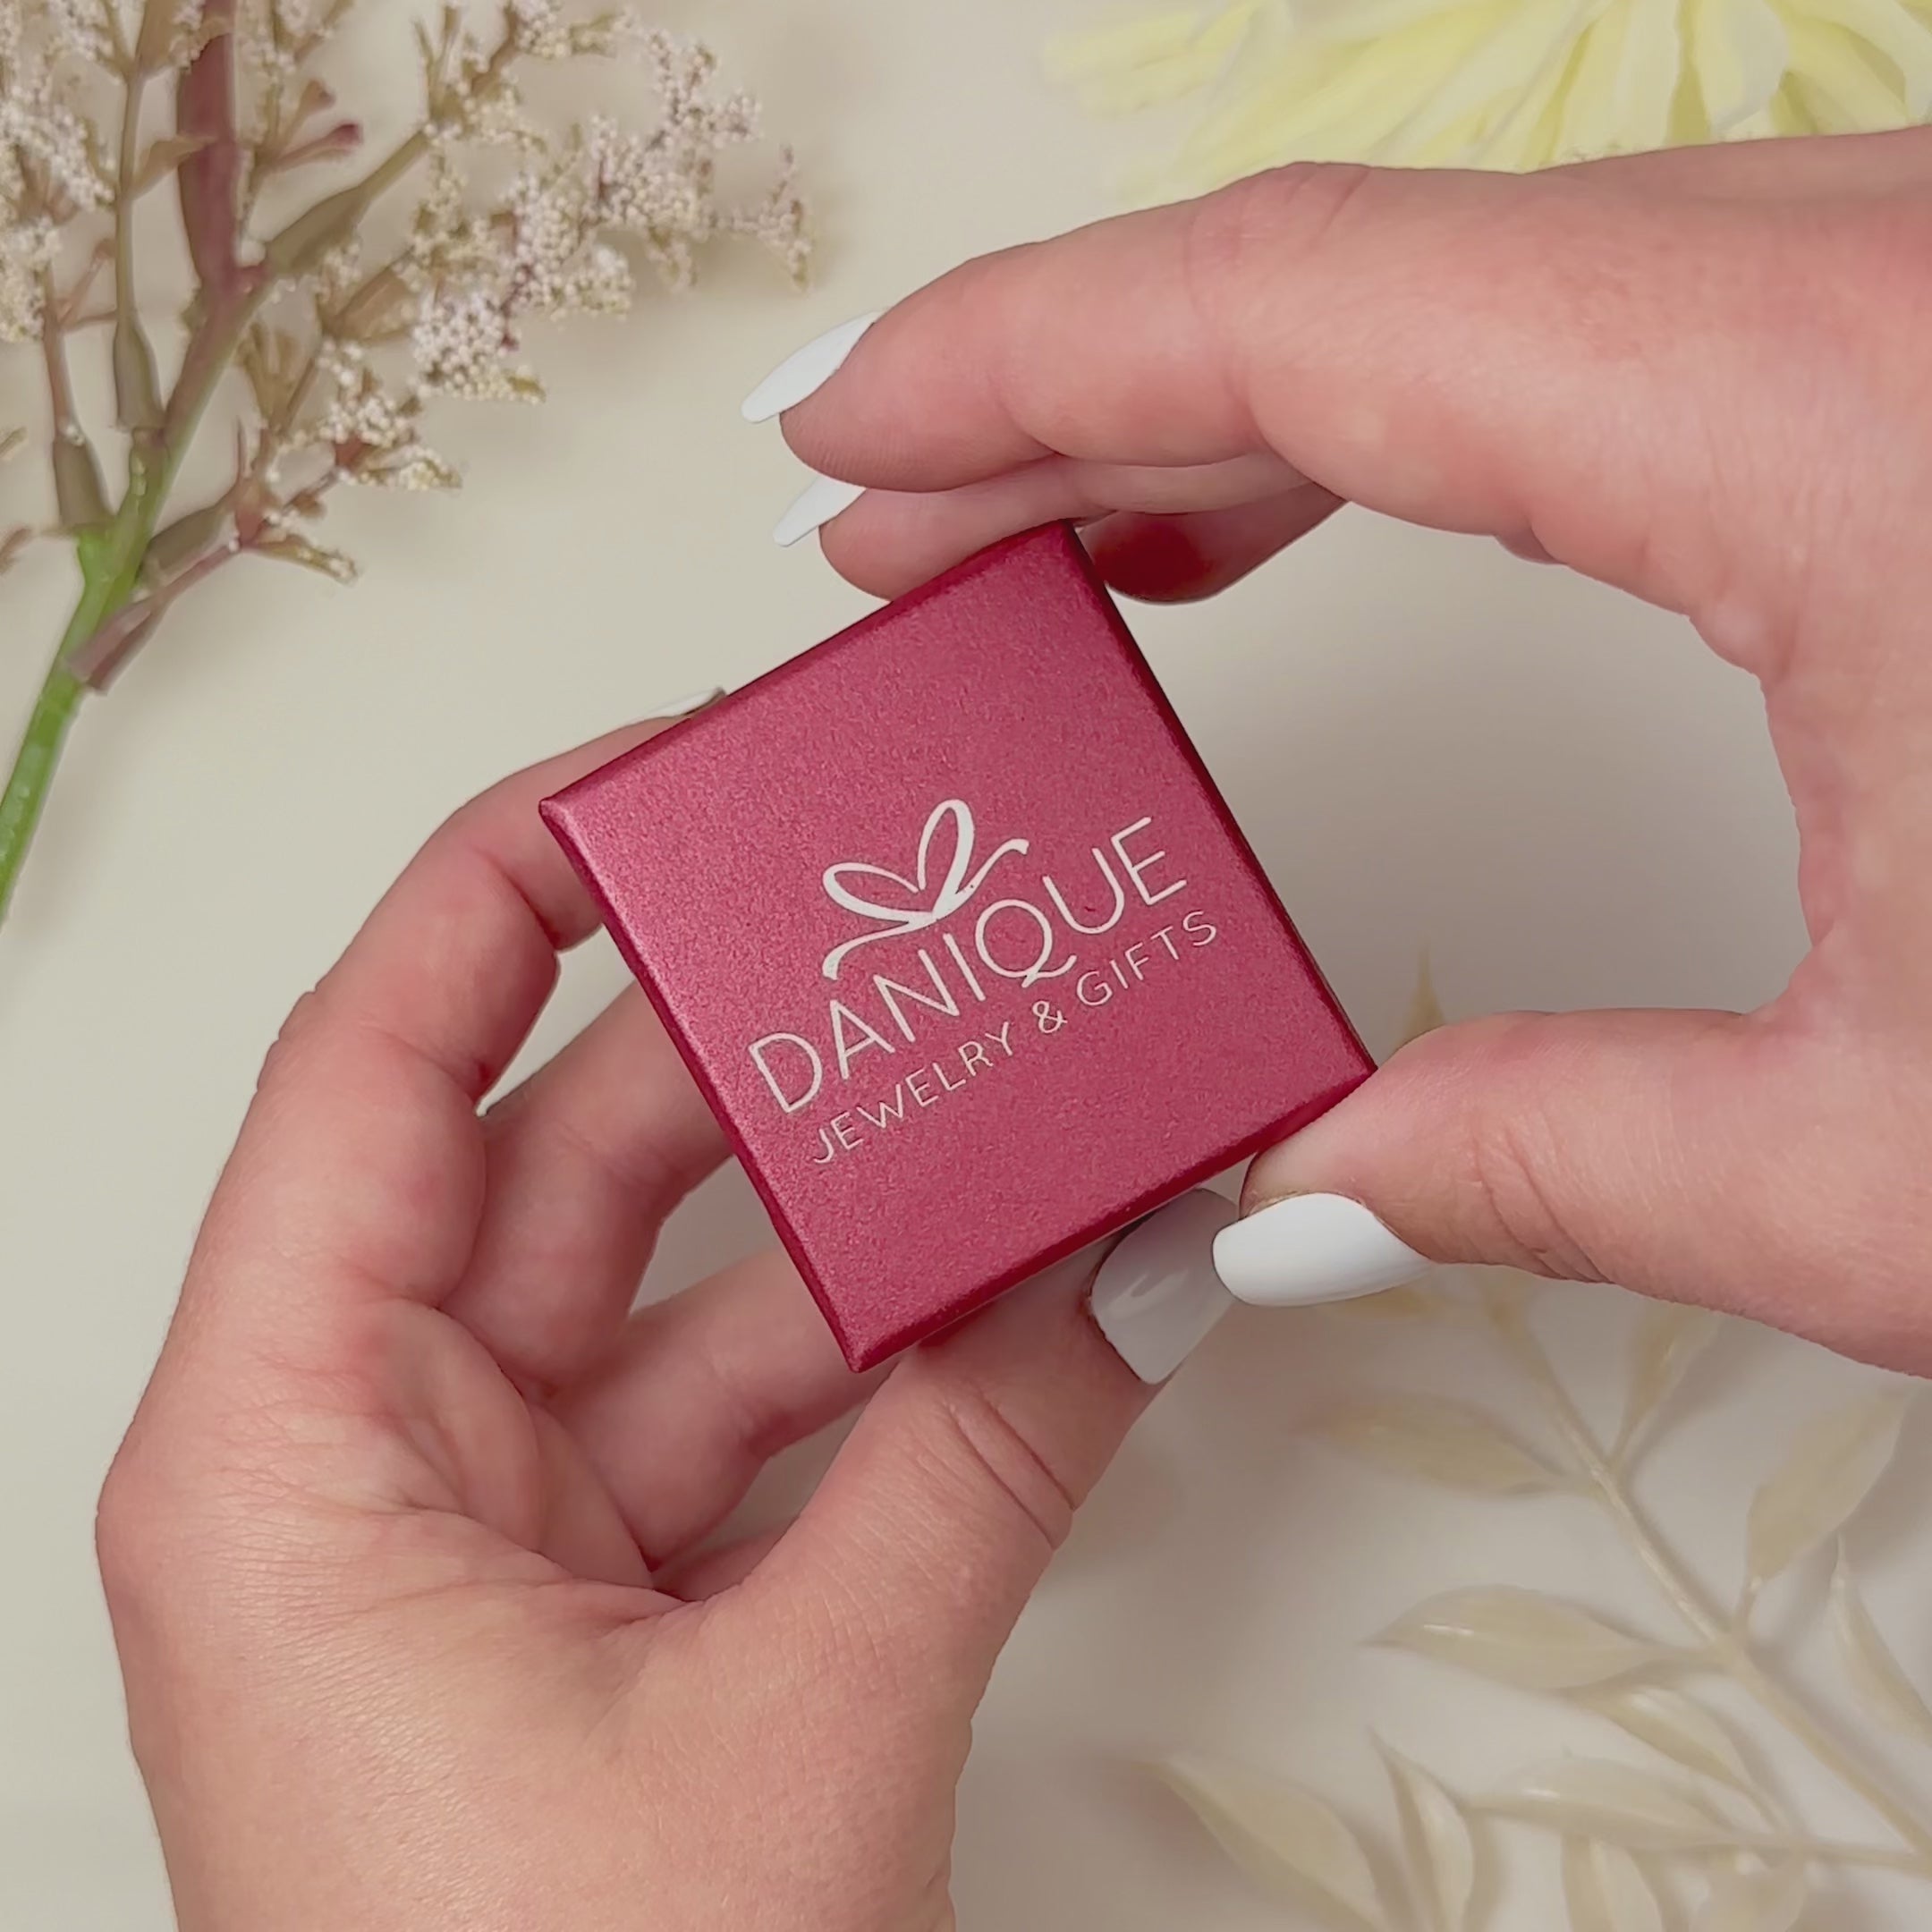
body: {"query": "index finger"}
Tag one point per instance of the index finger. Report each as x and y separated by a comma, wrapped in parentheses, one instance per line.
(358, 1173)
(1546, 356)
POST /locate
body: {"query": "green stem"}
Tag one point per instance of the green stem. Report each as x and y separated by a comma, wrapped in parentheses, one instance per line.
(111, 558)
(107, 584)
(33, 769)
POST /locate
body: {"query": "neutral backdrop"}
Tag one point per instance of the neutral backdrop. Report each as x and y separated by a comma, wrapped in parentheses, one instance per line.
(1554, 790)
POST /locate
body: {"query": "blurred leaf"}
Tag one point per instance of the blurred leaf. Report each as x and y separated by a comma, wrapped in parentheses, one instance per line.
(1285, 1839)
(1670, 1721)
(1876, 1674)
(1519, 1637)
(1505, 1292)
(1606, 1889)
(1439, 1441)
(1123, 69)
(1436, 1838)
(1769, 1899)
(1669, 1341)
(1597, 1799)
(1413, 1303)
(1830, 1471)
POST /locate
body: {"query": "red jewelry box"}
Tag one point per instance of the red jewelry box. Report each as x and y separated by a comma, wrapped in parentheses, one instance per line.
(960, 941)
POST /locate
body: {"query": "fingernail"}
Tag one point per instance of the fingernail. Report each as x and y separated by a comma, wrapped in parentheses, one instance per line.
(806, 370)
(1157, 1294)
(1311, 1247)
(683, 707)
(822, 499)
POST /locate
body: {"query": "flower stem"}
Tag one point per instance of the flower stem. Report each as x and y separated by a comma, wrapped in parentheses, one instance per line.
(1727, 1645)
(111, 556)
(102, 592)
(33, 771)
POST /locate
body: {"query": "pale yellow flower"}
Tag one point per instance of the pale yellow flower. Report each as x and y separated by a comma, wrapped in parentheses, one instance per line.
(1500, 84)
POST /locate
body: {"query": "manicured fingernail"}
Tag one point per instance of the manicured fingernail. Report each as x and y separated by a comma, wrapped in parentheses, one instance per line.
(822, 499)
(1157, 1294)
(1312, 1248)
(675, 708)
(806, 370)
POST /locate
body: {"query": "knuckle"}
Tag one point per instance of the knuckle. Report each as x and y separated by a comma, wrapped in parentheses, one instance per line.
(1256, 225)
(1514, 1204)
(126, 1546)
(1507, 1158)
(997, 1458)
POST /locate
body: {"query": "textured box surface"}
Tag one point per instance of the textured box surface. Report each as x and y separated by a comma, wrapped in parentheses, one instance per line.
(955, 933)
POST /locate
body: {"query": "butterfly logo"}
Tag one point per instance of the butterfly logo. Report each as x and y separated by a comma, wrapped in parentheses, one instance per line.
(929, 896)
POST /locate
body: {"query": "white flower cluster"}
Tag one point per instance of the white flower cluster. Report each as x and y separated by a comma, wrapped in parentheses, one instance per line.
(459, 346)
(47, 147)
(360, 414)
(266, 44)
(104, 31)
(84, 28)
(683, 151)
(374, 437)
(544, 31)
(693, 122)
(549, 259)
(49, 165)
(27, 250)
(471, 274)
(643, 185)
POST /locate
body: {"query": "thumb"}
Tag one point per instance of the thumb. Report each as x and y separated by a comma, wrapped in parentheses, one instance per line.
(922, 1544)
(1637, 1148)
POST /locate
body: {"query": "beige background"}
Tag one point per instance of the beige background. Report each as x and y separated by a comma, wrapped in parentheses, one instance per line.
(1555, 790)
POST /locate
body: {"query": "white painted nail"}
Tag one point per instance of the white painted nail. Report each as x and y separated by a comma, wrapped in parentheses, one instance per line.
(1157, 1294)
(682, 707)
(1312, 1248)
(822, 499)
(806, 370)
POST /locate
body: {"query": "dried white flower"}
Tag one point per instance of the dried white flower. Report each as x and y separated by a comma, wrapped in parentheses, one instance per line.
(543, 30)
(639, 183)
(106, 31)
(52, 163)
(27, 250)
(553, 262)
(347, 332)
(778, 221)
(694, 124)
(418, 467)
(334, 565)
(459, 346)
(85, 28)
(362, 412)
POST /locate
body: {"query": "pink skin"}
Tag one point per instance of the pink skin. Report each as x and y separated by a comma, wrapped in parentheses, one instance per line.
(1698, 376)
(376, 1546)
